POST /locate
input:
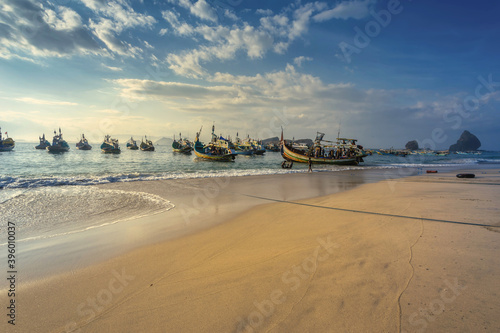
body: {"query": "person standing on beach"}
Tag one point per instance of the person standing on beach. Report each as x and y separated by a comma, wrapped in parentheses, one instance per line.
(310, 165)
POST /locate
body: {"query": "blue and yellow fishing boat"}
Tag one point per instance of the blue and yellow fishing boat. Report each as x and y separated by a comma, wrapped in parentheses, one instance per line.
(147, 145)
(44, 143)
(83, 144)
(110, 146)
(132, 144)
(6, 144)
(59, 145)
(218, 149)
(259, 149)
(243, 147)
(182, 146)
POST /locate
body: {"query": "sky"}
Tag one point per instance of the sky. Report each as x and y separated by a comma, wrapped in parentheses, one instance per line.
(384, 72)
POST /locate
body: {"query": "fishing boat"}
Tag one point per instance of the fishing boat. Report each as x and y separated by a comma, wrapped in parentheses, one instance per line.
(59, 145)
(392, 151)
(6, 144)
(83, 144)
(44, 143)
(218, 149)
(258, 147)
(147, 145)
(132, 144)
(110, 146)
(272, 147)
(442, 153)
(342, 152)
(182, 146)
(243, 147)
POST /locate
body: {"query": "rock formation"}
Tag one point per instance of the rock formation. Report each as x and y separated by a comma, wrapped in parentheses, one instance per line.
(412, 145)
(466, 142)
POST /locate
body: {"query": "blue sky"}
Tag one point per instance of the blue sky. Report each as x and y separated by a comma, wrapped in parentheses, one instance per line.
(386, 71)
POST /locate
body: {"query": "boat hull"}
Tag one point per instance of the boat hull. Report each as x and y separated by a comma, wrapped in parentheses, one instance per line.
(259, 151)
(57, 149)
(84, 147)
(179, 148)
(43, 145)
(290, 155)
(7, 144)
(132, 144)
(111, 150)
(110, 146)
(221, 158)
(185, 150)
(244, 152)
(6, 148)
(198, 151)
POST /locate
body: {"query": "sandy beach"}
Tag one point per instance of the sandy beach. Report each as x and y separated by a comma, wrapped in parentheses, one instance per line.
(403, 255)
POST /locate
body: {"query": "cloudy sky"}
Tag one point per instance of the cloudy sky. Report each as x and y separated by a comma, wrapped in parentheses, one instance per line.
(385, 72)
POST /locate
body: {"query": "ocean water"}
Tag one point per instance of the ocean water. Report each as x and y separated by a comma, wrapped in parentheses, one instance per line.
(54, 194)
(46, 212)
(26, 167)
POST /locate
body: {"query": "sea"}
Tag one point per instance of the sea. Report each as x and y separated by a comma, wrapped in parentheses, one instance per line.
(55, 194)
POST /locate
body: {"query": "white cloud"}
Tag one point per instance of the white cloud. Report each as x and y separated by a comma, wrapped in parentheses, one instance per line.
(299, 60)
(200, 9)
(45, 29)
(148, 89)
(95, 4)
(227, 91)
(225, 45)
(179, 28)
(31, 100)
(120, 13)
(105, 31)
(302, 17)
(264, 12)
(229, 14)
(272, 33)
(67, 19)
(277, 25)
(171, 17)
(281, 47)
(115, 17)
(311, 104)
(356, 9)
(188, 63)
(114, 69)
(28, 28)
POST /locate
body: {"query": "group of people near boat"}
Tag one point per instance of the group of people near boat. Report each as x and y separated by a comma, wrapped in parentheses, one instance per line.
(337, 153)
(212, 149)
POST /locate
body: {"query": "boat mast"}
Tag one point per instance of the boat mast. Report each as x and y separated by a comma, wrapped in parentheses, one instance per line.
(198, 134)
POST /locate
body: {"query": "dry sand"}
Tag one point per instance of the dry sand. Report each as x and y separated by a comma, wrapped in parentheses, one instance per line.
(285, 267)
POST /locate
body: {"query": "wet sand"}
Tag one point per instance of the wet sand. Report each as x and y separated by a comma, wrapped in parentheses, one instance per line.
(199, 204)
(397, 255)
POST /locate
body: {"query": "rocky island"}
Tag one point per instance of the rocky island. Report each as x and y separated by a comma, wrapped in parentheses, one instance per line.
(466, 142)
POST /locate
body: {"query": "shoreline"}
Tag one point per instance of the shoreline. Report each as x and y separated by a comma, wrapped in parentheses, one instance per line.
(198, 204)
(333, 269)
